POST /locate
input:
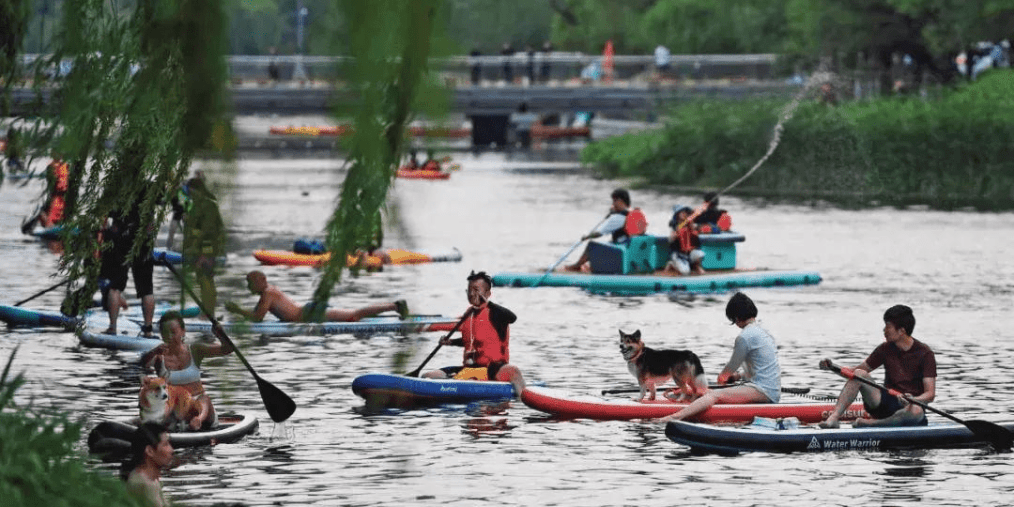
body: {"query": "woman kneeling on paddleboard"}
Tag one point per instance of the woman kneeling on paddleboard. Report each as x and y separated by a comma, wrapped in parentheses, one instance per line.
(183, 363)
(756, 351)
(485, 336)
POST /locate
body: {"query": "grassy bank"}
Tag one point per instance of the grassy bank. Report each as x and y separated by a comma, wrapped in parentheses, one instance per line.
(945, 152)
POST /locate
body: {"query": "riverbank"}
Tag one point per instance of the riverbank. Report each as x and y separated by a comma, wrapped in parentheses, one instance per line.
(945, 153)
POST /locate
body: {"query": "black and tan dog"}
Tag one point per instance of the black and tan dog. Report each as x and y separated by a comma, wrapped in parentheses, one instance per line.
(655, 367)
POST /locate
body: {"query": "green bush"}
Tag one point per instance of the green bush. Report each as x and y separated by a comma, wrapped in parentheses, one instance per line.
(949, 151)
(38, 464)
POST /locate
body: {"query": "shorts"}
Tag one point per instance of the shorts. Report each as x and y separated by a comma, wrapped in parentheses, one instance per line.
(491, 370)
(682, 261)
(308, 310)
(114, 269)
(888, 406)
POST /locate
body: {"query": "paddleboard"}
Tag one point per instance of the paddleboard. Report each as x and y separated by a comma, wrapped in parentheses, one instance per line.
(579, 406)
(733, 440)
(287, 258)
(385, 390)
(369, 325)
(656, 283)
(113, 437)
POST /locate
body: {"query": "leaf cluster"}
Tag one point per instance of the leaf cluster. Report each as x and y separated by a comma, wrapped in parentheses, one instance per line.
(38, 463)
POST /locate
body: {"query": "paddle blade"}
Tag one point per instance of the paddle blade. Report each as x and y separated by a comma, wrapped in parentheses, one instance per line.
(999, 437)
(278, 404)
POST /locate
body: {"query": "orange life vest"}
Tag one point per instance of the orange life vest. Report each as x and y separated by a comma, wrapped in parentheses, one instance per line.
(482, 343)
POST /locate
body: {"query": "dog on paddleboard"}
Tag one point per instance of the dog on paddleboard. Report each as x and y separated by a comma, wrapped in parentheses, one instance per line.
(656, 367)
(171, 406)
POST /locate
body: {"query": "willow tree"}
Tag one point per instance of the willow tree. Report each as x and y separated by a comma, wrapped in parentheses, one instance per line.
(389, 42)
(134, 94)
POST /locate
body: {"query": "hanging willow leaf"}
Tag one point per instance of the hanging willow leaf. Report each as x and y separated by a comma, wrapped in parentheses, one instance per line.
(390, 43)
(135, 95)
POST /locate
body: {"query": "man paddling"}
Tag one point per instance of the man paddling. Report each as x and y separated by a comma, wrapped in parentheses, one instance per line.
(273, 300)
(485, 336)
(910, 368)
(614, 225)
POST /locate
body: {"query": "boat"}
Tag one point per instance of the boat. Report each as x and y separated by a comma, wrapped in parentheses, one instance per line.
(421, 174)
(386, 390)
(733, 440)
(163, 256)
(565, 405)
(113, 437)
(287, 258)
(638, 266)
(366, 326)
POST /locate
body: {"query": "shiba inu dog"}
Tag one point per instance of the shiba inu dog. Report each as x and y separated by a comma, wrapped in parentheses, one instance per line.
(170, 406)
(655, 367)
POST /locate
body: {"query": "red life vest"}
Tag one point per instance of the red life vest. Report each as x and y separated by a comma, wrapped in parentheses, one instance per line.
(482, 343)
(687, 239)
(636, 224)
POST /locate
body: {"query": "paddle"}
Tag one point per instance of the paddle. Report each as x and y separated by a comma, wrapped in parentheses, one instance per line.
(999, 437)
(23, 301)
(415, 372)
(570, 251)
(278, 404)
(788, 390)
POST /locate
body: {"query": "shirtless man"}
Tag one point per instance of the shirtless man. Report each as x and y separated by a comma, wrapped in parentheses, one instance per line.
(282, 306)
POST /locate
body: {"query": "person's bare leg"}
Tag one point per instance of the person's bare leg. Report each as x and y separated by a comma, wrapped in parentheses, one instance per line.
(338, 315)
(114, 302)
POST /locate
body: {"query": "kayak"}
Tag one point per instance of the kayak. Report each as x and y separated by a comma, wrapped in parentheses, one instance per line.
(733, 440)
(113, 437)
(287, 258)
(26, 317)
(369, 325)
(658, 282)
(571, 406)
(421, 174)
(386, 390)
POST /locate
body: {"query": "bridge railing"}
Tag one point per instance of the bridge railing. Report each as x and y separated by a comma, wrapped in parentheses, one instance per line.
(519, 68)
(524, 68)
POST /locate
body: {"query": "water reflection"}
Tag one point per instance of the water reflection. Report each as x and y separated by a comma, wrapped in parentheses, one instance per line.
(334, 451)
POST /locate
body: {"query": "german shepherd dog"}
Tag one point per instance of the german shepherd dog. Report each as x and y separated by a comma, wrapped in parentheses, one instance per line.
(655, 367)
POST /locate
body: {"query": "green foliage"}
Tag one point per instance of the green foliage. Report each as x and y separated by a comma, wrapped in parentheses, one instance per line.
(38, 464)
(391, 43)
(684, 26)
(145, 92)
(945, 152)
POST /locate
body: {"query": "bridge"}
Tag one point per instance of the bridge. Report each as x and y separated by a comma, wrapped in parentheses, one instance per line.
(482, 89)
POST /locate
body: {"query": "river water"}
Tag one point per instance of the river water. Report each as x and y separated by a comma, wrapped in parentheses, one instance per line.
(953, 268)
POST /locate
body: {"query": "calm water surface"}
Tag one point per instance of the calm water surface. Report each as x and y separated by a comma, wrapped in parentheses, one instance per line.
(951, 267)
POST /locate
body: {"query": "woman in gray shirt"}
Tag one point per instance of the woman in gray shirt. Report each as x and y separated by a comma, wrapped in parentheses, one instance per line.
(756, 352)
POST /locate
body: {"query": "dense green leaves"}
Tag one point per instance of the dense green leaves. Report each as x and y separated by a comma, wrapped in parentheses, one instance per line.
(38, 462)
(944, 152)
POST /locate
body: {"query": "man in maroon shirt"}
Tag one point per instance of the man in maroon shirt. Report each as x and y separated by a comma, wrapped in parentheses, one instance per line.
(909, 367)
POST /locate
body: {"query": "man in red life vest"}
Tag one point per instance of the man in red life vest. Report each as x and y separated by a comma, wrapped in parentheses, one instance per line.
(614, 224)
(57, 182)
(684, 244)
(485, 336)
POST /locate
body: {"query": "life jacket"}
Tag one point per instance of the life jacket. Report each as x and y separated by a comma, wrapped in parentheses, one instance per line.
(686, 240)
(636, 224)
(432, 165)
(481, 341)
